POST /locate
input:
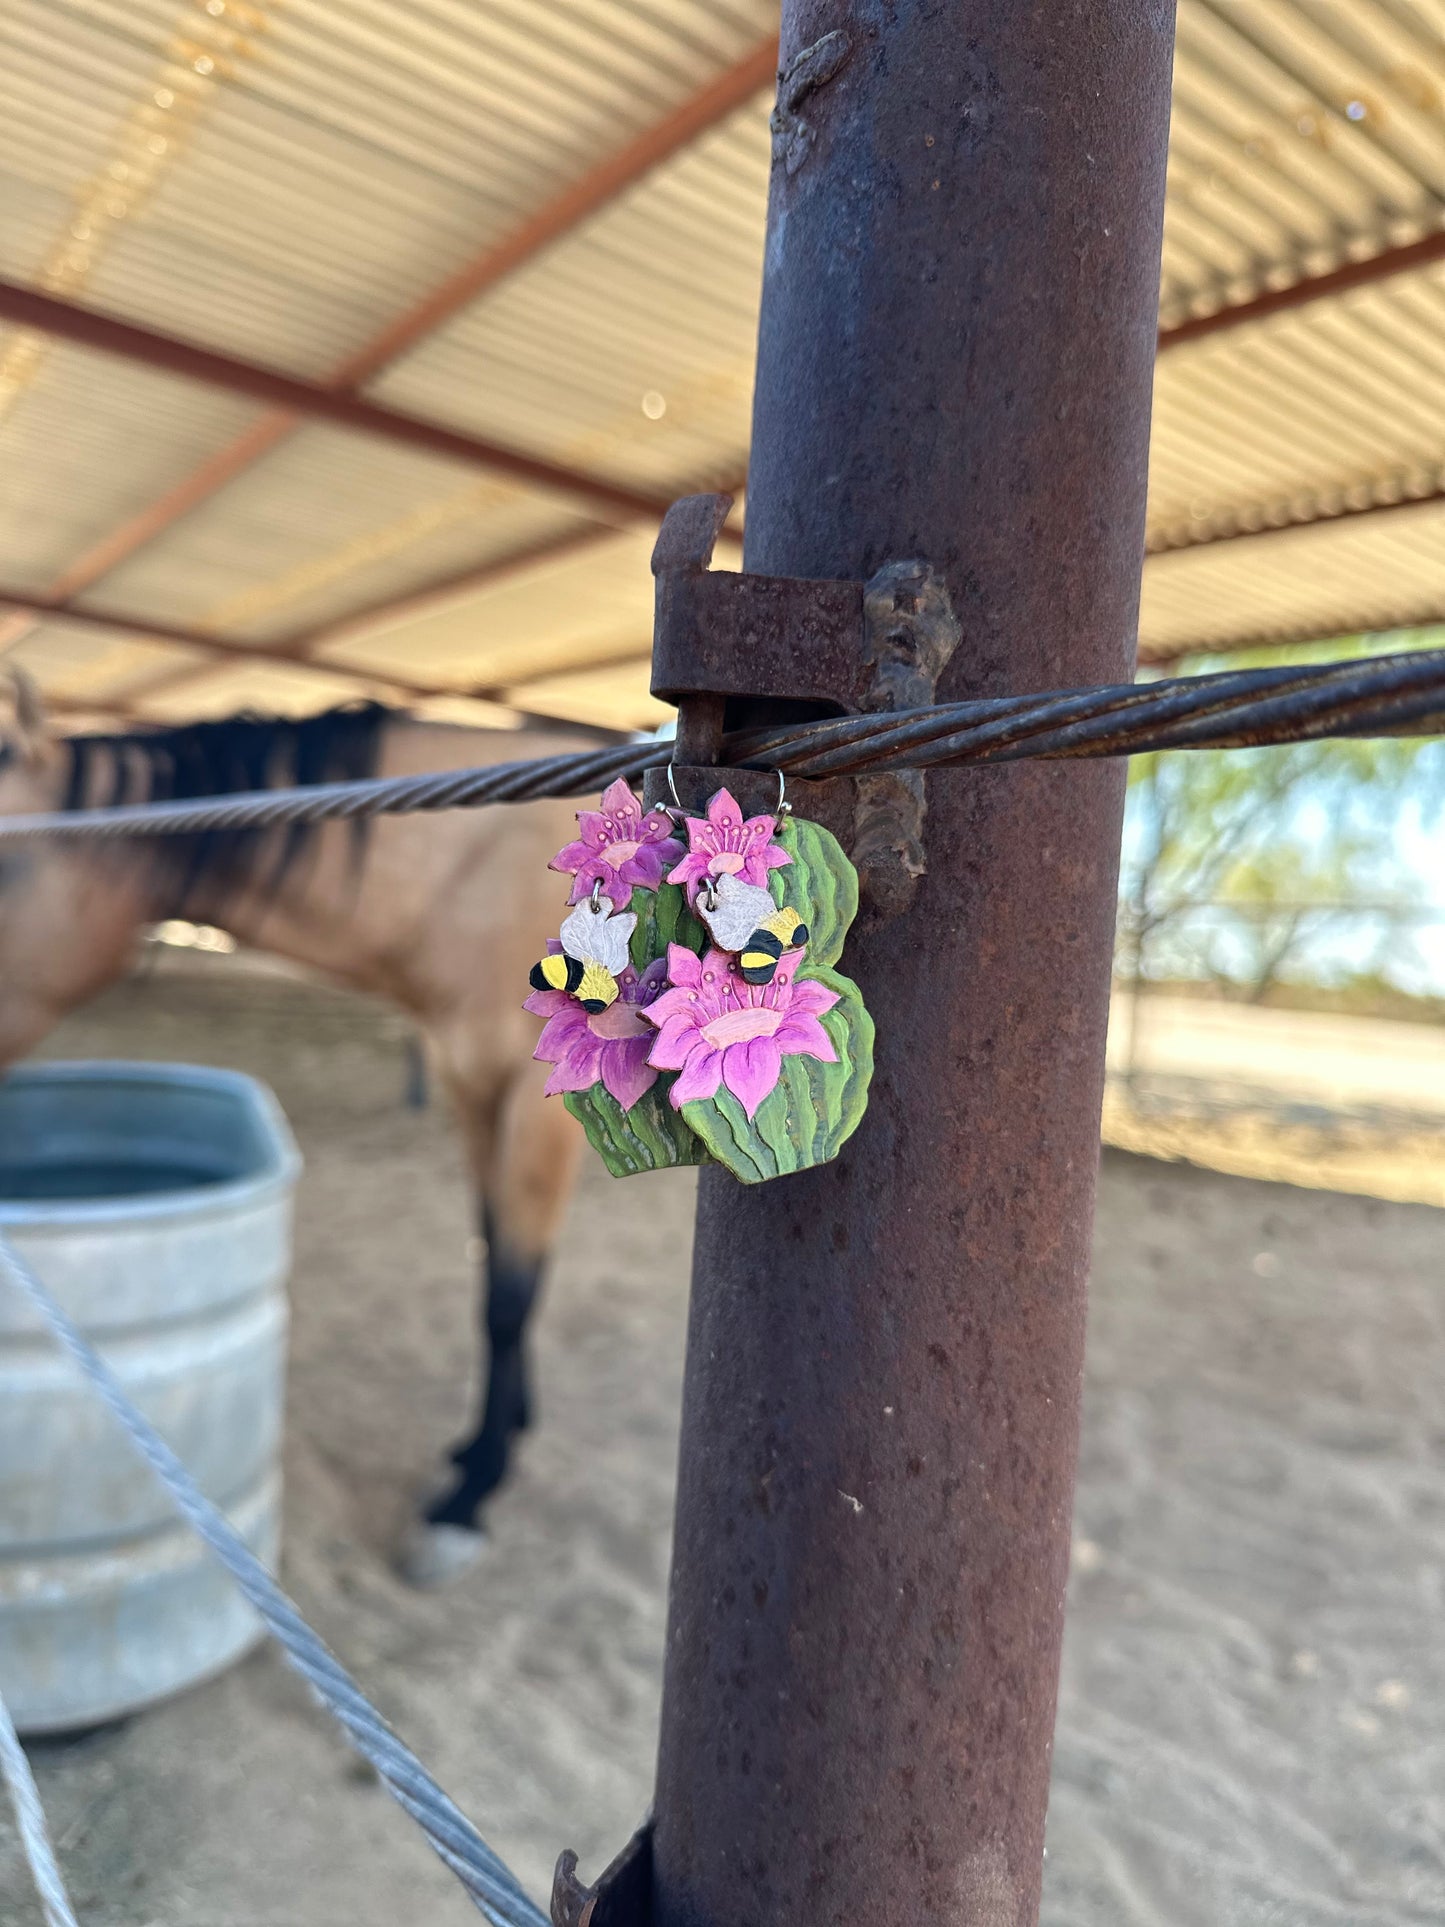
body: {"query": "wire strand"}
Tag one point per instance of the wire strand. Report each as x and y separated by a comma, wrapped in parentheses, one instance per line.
(30, 1821)
(494, 1889)
(1235, 709)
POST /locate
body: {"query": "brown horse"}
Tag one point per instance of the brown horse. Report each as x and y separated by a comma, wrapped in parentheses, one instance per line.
(442, 914)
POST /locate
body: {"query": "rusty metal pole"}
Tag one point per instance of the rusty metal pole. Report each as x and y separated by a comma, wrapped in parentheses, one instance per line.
(884, 1358)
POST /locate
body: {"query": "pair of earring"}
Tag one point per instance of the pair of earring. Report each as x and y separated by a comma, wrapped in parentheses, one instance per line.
(693, 1008)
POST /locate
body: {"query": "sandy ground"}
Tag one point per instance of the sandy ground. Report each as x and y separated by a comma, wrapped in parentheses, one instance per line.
(1333, 1103)
(1253, 1714)
(1349, 1063)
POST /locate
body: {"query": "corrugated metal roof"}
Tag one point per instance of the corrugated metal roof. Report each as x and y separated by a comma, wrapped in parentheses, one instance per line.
(1293, 584)
(655, 298)
(81, 665)
(282, 179)
(1305, 132)
(596, 605)
(336, 517)
(1330, 405)
(89, 440)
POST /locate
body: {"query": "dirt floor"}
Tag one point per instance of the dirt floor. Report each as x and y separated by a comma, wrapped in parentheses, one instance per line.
(1345, 1062)
(1331, 1101)
(1253, 1714)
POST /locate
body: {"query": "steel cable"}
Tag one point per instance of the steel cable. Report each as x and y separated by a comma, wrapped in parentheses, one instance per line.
(30, 1820)
(491, 1885)
(1235, 709)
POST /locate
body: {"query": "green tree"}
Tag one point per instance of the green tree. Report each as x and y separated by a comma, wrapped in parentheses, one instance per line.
(1275, 842)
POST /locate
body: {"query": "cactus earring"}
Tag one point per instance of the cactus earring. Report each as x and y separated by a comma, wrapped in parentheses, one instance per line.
(693, 1011)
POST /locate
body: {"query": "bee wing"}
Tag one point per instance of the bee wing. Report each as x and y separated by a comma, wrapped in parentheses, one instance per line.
(576, 933)
(614, 934)
(599, 936)
(739, 909)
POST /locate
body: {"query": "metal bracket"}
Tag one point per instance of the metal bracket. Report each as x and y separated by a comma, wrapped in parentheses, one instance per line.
(733, 650)
(622, 1896)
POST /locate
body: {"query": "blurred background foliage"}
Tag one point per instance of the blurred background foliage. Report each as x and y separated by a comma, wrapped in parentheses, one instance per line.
(1309, 873)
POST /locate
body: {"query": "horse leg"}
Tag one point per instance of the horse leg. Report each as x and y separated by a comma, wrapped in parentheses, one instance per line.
(523, 1198)
(418, 1076)
(524, 1188)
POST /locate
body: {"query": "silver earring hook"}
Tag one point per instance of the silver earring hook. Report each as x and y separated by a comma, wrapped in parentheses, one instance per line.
(596, 895)
(677, 812)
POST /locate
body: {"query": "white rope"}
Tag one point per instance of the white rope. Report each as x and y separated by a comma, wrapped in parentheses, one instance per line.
(30, 1819)
(494, 1889)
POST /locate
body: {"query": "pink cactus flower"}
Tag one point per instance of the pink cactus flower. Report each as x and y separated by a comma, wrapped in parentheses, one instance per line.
(609, 1047)
(714, 1028)
(619, 847)
(722, 844)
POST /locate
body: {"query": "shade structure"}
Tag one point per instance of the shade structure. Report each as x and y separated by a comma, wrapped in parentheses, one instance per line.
(539, 225)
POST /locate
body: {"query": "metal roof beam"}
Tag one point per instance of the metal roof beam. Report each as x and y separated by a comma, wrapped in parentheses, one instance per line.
(612, 502)
(416, 602)
(293, 653)
(300, 651)
(120, 622)
(1342, 280)
(433, 596)
(1318, 287)
(567, 210)
(223, 648)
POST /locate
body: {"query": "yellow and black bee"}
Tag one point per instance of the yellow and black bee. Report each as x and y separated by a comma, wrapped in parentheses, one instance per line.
(593, 955)
(743, 918)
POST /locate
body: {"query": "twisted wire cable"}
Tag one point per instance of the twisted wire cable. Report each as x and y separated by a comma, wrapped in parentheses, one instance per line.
(1235, 709)
(493, 1888)
(30, 1821)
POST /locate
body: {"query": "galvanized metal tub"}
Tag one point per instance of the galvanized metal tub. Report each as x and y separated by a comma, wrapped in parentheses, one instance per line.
(155, 1202)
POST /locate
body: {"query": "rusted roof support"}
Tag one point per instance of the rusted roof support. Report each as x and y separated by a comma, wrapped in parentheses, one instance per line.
(414, 603)
(122, 622)
(223, 649)
(1318, 287)
(1415, 255)
(576, 203)
(305, 648)
(434, 596)
(880, 1414)
(132, 535)
(613, 501)
(296, 653)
